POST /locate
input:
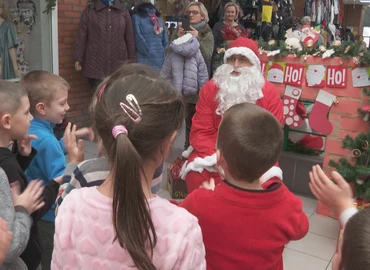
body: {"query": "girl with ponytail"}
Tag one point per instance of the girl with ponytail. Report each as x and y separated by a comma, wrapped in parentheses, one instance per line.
(121, 224)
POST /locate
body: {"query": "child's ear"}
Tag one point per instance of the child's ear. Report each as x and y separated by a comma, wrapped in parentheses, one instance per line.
(5, 121)
(40, 108)
(220, 160)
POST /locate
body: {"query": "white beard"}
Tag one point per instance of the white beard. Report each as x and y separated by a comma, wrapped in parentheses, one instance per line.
(245, 87)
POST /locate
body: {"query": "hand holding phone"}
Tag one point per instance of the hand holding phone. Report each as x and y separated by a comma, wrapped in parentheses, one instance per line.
(186, 23)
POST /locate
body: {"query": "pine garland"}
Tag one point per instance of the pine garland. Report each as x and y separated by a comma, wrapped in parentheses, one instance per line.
(356, 171)
(345, 50)
(51, 4)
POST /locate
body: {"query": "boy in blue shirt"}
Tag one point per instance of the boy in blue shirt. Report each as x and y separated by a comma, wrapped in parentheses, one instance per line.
(48, 95)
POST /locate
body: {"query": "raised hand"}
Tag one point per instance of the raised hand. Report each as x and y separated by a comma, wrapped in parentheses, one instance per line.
(181, 32)
(24, 145)
(31, 198)
(208, 185)
(75, 150)
(193, 31)
(335, 196)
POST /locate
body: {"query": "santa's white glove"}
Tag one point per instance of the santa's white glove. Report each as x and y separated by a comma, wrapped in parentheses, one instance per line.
(208, 185)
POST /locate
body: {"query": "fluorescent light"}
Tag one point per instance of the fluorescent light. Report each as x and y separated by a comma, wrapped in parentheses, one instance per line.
(364, 1)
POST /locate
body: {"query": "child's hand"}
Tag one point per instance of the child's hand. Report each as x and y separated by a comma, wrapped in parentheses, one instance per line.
(5, 240)
(24, 145)
(75, 150)
(85, 133)
(30, 198)
(336, 196)
(208, 185)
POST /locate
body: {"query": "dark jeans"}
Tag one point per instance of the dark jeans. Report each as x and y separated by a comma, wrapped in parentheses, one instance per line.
(47, 230)
(189, 116)
(94, 83)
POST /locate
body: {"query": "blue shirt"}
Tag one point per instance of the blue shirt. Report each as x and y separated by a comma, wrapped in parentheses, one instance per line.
(49, 161)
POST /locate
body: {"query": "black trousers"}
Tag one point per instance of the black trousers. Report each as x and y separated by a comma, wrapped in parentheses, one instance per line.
(189, 116)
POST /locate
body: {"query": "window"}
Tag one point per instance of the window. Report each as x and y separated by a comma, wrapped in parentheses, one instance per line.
(366, 34)
(27, 35)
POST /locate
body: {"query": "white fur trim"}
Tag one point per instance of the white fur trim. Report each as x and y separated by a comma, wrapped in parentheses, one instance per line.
(187, 152)
(243, 51)
(271, 173)
(198, 165)
(185, 38)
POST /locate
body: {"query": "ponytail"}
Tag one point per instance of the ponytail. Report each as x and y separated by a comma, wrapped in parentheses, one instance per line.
(131, 217)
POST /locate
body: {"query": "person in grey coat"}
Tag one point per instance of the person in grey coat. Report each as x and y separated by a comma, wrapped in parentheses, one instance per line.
(15, 209)
(184, 66)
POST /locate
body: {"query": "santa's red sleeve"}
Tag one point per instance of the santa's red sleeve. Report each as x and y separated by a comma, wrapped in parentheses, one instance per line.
(203, 133)
(273, 101)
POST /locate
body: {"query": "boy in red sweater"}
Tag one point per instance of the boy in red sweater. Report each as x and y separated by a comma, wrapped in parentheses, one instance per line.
(246, 226)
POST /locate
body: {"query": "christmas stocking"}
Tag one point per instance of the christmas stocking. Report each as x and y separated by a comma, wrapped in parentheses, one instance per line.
(291, 96)
(317, 119)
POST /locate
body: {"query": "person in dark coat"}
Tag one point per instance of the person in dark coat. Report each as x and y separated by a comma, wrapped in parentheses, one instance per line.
(105, 39)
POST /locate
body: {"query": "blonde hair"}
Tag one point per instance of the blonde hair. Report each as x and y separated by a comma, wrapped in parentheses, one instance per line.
(237, 8)
(41, 86)
(202, 8)
(6, 14)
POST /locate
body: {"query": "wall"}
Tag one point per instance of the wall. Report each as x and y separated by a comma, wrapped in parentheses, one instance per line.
(69, 12)
(353, 15)
(298, 8)
(343, 116)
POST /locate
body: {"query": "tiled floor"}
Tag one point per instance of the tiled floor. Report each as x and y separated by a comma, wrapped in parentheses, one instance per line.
(314, 252)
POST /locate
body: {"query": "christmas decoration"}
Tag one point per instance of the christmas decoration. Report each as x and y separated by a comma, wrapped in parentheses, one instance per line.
(315, 75)
(290, 100)
(336, 76)
(295, 44)
(318, 116)
(50, 6)
(356, 170)
(360, 76)
(275, 72)
(263, 67)
(294, 74)
(365, 111)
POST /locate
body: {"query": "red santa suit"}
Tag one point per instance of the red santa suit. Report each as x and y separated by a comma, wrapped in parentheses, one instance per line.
(203, 135)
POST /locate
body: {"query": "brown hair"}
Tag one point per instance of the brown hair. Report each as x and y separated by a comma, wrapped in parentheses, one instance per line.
(237, 9)
(41, 86)
(250, 139)
(10, 96)
(162, 114)
(356, 242)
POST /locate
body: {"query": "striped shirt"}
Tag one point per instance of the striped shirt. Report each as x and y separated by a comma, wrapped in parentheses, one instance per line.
(93, 172)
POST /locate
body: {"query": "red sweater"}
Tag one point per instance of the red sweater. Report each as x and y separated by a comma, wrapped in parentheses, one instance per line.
(247, 229)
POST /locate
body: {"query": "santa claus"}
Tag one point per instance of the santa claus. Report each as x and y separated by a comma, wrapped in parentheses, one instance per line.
(238, 80)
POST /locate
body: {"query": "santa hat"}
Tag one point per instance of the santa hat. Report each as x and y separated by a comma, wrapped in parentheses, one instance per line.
(246, 47)
(276, 66)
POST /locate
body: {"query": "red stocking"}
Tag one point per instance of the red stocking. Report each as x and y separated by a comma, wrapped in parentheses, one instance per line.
(291, 97)
(318, 117)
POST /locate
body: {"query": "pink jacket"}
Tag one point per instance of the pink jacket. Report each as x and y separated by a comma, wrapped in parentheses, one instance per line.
(84, 235)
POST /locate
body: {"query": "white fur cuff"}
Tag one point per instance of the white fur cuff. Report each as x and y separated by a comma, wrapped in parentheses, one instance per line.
(245, 52)
(181, 40)
(198, 165)
(271, 173)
